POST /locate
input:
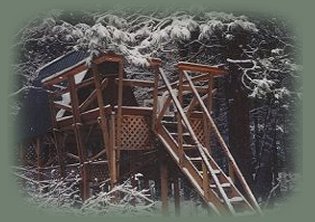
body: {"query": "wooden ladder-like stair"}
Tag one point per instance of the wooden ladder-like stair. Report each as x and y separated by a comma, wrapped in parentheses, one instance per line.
(216, 188)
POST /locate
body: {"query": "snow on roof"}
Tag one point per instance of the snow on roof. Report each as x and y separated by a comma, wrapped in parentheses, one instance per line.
(63, 63)
(63, 71)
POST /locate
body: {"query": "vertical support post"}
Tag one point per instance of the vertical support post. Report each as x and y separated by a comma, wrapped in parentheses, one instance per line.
(176, 195)
(207, 127)
(164, 183)
(103, 123)
(57, 137)
(112, 145)
(179, 119)
(77, 132)
(120, 103)
(205, 180)
(155, 97)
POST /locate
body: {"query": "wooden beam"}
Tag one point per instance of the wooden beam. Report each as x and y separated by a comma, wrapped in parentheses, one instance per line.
(155, 96)
(103, 120)
(60, 105)
(194, 78)
(201, 89)
(85, 192)
(92, 96)
(134, 110)
(164, 184)
(119, 108)
(176, 195)
(137, 83)
(79, 67)
(194, 67)
(88, 117)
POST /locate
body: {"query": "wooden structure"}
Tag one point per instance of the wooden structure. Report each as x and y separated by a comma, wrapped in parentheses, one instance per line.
(98, 126)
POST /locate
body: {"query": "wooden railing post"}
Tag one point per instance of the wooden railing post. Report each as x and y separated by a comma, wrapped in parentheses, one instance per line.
(164, 183)
(77, 132)
(176, 194)
(179, 119)
(155, 64)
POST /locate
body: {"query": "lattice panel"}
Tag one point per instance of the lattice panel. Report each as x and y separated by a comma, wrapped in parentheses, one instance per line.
(29, 155)
(135, 133)
(197, 126)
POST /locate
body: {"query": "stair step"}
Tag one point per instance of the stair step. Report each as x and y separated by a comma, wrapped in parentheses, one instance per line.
(189, 146)
(195, 158)
(215, 171)
(169, 123)
(176, 134)
(223, 185)
(168, 117)
(236, 199)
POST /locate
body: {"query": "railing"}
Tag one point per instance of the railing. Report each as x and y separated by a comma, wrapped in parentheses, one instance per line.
(223, 145)
(183, 120)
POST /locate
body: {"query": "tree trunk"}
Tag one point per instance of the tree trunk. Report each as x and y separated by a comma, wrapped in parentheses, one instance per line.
(238, 124)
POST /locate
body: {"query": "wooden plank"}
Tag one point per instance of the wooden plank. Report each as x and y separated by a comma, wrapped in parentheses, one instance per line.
(136, 82)
(119, 108)
(188, 170)
(103, 120)
(194, 78)
(225, 149)
(85, 192)
(92, 96)
(164, 183)
(134, 110)
(155, 97)
(56, 135)
(60, 105)
(201, 68)
(180, 138)
(81, 66)
(163, 110)
(87, 117)
(176, 195)
(200, 89)
(84, 83)
(112, 142)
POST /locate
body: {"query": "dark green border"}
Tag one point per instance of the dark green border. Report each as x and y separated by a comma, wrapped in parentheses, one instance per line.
(14, 14)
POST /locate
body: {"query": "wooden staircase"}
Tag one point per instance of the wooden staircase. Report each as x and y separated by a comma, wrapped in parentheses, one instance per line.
(191, 154)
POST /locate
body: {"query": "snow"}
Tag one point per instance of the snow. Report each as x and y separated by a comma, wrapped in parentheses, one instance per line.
(65, 98)
(63, 71)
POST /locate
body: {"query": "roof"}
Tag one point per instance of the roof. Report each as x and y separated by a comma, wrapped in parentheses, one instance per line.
(61, 63)
(34, 116)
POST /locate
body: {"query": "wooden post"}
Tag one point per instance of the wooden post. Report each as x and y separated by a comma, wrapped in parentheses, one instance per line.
(207, 127)
(57, 137)
(103, 123)
(119, 111)
(205, 180)
(77, 132)
(114, 161)
(155, 98)
(164, 184)
(176, 195)
(179, 119)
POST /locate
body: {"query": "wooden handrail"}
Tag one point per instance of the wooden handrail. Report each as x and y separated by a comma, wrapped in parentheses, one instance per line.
(223, 144)
(194, 137)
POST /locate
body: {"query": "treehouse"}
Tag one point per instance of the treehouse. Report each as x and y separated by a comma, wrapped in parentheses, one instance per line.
(99, 129)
